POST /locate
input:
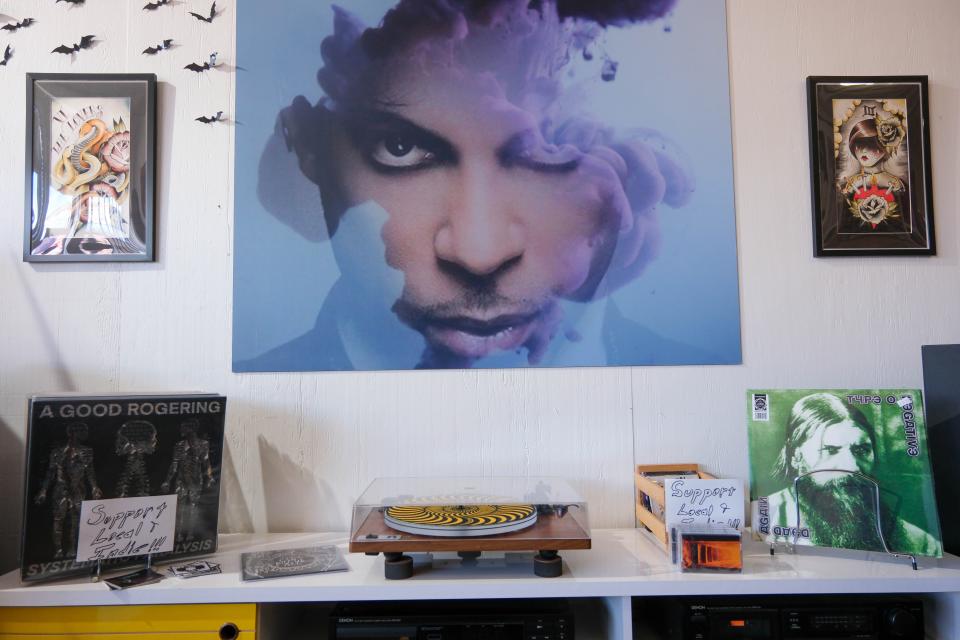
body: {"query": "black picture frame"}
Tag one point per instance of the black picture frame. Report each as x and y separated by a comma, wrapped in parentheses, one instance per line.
(878, 201)
(89, 168)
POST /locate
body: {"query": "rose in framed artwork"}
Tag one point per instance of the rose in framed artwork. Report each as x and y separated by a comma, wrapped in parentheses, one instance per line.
(870, 166)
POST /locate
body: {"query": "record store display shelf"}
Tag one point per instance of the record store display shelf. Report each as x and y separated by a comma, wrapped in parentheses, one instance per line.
(623, 563)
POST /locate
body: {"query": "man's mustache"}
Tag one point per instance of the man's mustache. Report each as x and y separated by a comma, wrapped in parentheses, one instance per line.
(845, 488)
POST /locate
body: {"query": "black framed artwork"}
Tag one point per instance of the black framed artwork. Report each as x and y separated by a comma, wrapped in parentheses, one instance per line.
(870, 166)
(89, 170)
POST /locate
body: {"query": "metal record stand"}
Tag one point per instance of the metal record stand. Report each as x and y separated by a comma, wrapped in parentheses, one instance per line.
(791, 546)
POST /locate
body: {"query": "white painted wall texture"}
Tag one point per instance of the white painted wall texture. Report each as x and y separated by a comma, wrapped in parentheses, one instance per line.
(301, 447)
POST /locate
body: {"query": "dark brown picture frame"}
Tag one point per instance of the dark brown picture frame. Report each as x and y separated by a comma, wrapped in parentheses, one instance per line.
(88, 175)
(870, 166)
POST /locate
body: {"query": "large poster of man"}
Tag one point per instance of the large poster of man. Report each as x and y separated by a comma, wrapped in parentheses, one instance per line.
(483, 183)
(844, 468)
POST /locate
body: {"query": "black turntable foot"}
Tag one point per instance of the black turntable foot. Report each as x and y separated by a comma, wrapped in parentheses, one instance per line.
(548, 564)
(468, 557)
(397, 566)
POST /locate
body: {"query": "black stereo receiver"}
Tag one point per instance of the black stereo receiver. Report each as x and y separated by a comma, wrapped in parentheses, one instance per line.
(522, 619)
(834, 617)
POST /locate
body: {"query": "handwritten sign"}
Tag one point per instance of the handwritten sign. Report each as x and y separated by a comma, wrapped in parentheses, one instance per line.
(126, 527)
(695, 501)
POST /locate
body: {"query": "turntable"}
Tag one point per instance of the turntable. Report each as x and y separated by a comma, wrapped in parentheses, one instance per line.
(469, 516)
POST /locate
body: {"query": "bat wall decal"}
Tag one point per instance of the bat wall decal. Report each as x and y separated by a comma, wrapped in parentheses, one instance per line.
(15, 26)
(7, 54)
(152, 51)
(213, 14)
(72, 1)
(200, 68)
(209, 119)
(153, 6)
(86, 42)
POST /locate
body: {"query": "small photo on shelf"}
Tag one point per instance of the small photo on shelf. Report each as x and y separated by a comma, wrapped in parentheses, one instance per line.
(708, 548)
(195, 569)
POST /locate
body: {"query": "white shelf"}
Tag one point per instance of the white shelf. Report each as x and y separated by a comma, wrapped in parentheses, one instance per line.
(623, 562)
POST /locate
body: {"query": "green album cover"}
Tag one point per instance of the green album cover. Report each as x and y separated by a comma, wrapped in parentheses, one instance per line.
(846, 456)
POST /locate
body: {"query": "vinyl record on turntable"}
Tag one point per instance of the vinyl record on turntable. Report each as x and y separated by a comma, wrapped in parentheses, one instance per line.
(465, 520)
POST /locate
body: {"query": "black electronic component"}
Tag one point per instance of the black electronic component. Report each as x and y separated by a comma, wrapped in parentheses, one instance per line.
(522, 619)
(941, 393)
(821, 617)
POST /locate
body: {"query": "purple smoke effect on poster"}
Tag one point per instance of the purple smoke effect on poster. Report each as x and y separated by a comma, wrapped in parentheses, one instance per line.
(484, 184)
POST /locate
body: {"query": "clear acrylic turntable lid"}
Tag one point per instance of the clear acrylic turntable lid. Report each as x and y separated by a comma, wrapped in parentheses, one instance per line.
(494, 514)
(389, 492)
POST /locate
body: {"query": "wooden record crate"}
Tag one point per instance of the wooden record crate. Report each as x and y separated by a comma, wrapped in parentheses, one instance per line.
(651, 496)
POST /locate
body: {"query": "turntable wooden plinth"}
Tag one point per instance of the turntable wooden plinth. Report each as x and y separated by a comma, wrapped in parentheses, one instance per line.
(549, 534)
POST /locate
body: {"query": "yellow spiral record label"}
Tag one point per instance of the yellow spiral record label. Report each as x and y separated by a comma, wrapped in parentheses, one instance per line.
(460, 520)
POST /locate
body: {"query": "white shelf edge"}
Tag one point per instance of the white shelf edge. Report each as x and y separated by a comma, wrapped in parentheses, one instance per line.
(623, 563)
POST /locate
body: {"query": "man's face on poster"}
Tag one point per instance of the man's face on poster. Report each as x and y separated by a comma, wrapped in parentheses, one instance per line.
(842, 445)
(489, 223)
(492, 179)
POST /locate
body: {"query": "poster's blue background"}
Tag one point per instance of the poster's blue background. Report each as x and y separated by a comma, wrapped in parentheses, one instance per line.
(672, 77)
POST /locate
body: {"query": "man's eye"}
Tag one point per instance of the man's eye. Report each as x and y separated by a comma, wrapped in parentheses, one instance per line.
(400, 152)
(831, 450)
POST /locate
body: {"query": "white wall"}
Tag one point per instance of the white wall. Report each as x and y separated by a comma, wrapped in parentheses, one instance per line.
(301, 447)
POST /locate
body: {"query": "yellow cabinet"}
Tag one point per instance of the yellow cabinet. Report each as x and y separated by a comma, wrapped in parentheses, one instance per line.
(127, 636)
(152, 622)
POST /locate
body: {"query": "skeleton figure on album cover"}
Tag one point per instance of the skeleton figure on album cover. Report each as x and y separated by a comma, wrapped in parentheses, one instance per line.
(136, 439)
(70, 480)
(872, 164)
(190, 473)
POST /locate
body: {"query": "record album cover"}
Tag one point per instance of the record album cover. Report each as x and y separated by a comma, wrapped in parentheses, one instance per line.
(844, 457)
(100, 447)
(280, 563)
